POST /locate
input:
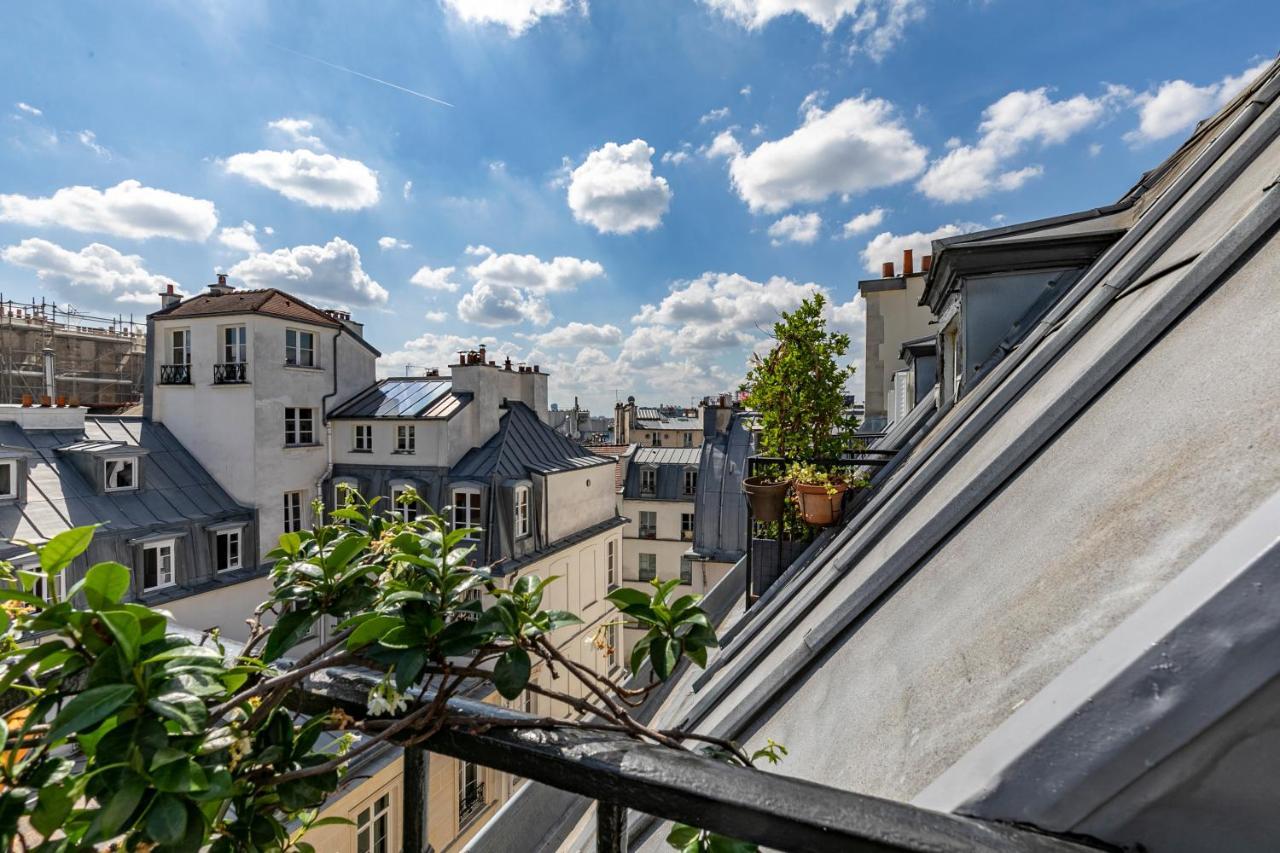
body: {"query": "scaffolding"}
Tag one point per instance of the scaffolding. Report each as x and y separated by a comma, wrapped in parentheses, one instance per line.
(97, 361)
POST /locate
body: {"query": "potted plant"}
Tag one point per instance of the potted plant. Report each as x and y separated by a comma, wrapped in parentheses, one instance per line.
(819, 494)
(767, 496)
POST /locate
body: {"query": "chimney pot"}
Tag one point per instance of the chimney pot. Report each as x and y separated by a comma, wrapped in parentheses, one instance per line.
(908, 264)
(222, 279)
(926, 263)
(886, 269)
(26, 401)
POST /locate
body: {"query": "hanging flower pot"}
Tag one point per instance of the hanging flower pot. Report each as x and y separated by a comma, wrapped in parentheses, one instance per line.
(767, 497)
(820, 503)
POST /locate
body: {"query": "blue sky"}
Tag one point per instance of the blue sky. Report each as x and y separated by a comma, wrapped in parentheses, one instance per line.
(625, 192)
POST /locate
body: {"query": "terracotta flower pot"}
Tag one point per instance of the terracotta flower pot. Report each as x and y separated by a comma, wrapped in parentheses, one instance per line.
(817, 506)
(766, 498)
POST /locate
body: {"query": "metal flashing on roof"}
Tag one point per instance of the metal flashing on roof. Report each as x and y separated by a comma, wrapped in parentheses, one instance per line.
(667, 455)
(523, 443)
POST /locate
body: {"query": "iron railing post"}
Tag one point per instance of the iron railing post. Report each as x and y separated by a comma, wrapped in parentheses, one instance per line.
(611, 827)
(414, 800)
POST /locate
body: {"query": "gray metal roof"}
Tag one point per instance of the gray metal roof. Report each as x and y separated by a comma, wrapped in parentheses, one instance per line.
(667, 455)
(720, 508)
(404, 397)
(522, 445)
(175, 488)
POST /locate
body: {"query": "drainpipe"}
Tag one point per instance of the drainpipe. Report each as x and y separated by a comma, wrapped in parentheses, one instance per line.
(324, 414)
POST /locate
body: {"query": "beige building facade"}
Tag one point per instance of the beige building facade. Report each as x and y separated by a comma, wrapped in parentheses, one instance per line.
(893, 315)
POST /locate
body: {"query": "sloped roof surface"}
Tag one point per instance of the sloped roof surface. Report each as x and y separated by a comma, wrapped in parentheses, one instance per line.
(667, 455)
(524, 444)
(272, 302)
(175, 487)
(404, 397)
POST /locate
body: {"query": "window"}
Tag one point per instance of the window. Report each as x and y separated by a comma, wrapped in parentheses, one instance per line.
(299, 348)
(226, 550)
(648, 525)
(686, 570)
(686, 526)
(657, 440)
(466, 510)
(362, 438)
(373, 826)
(405, 511)
(470, 791)
(299, 426)
(235, 347)
(613, 652)
(121, 475)
(180, 347)
(9, 479)
(40, 586)
(648, 481)
(406, 438)
(292, 512)
(530, 701)
(610, 561)
(157, 565)
(688, 439)
(522, 525)
(648, 566)
(691, 481)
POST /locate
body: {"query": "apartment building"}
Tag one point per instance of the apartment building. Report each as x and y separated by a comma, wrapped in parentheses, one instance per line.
(660, 426)
(894, 315)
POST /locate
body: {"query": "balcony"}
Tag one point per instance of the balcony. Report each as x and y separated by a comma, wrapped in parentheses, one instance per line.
(470, 802)
(231, 373)
(175, 374)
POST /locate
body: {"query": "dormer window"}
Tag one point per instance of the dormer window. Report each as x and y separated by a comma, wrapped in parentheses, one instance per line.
(690, 481)
(121, 475)
(648, 481)
(8, 479)
(522, 525)
(299, 348)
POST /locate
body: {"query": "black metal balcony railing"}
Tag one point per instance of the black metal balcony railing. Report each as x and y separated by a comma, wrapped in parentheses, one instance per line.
(470, 801)
(648, 531)
(230, 373)
(175, 374)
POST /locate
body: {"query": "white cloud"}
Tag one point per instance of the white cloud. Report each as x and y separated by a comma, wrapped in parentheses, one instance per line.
(559, 275)
(716, 310)
(318, 180)
(435, 279)
(888, 246)
(718, 114)
(478, 251)
(1009, 126)
(516, 15)
(90, 140)
(96, 270)
(330, 273)
(407, 191)
(724, 145)
(495, 304)
(579, 335)
(297, 131)
(864, 222)
(126, 210)
(28, 109)
(877, 25)
(435, 316)
(678, 156)
(268, 230)
(240, 237)
(615, 189)
(388, 243)
(745, 91)
(796, 228)
(757, 129)
(1176, 105)
(858, 144)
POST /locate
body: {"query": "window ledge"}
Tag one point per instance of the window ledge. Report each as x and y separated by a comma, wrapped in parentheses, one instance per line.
(404, 453)
(314, 367)
(303, 446)
(353, 450)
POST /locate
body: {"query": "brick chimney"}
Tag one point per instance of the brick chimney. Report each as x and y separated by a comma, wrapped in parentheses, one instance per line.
(886, 269)
(169, 297)
(220, 287)
(908, 262)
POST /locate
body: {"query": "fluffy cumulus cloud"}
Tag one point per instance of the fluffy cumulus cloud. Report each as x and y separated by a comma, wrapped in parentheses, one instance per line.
(23, 106)
(297, 131)
(1176, 105)
(616, 191)
(887, 246)
(98, 273)
(318, 180)
(1009, 126)
(714, 311)
(435, 316)
(439, 278)
(529, 272)
(796, 228)
(579, 335)
(507, 289)
(718, 114)
(876, 25)
(240, 237)
(516, 15)
(859, 144)
(863, 222)
(388, 243)
(678, 155)
(495, 304)
(128, 209)
(331, 273)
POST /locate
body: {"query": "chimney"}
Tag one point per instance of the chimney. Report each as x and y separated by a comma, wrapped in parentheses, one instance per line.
(169, 297)
(886, 269)
(220, 287)
(908, 264)
(926, 263)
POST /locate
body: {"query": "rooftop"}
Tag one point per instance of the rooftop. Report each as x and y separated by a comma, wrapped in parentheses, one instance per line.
(271, 302)
(405, 397)
(524, 444)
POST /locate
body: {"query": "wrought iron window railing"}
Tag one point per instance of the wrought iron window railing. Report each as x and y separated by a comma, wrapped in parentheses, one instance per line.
(175, 374)
(230, 373)
(471, 801)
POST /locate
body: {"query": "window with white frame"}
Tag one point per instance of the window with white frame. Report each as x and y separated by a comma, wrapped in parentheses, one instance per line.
(691, 481)
(292, 512)
(686, 570)
(362, 438)
(648, 566)
(299, 426)
(688, 439)
(522, 526)
(406, 438)
(686, 526)
(373, 825)
(121, 475)
(235, 345)
(405, 510)
(157, 565)
(648, 481)
(466, 510)
(470, 791)
(227, 549)
(648, 525)
(8, 479)
(180, 347)
(610, 563)
(299, 348)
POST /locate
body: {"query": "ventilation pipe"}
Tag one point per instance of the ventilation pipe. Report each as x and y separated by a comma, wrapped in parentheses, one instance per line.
(908, 263)
(50, 381)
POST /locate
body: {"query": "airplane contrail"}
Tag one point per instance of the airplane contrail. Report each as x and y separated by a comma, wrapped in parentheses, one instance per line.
(365, 76)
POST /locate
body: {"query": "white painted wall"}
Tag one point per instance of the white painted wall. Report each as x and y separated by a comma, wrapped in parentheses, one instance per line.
(578, 499)
(432, 443)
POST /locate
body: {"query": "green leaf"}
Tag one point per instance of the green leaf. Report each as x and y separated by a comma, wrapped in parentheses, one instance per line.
(290, 543)
(371, 629)
(402, 637)
(511, 672)
(663, 653)
(560, 619)
(681, 835)
(167, 819)
(697, 654)
(105, 584)
(625, 596)
(183, 708)
(344, 551)
(174, 771)
(721, 844)
(408, 666)
(58, 552)
(188, 651)
(52, 808)
(89, 708)
(640, 651)
(126, 631)
(288, 630)
(120, 805)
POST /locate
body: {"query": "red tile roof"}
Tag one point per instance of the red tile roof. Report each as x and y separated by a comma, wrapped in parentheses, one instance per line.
(272, 302)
